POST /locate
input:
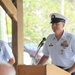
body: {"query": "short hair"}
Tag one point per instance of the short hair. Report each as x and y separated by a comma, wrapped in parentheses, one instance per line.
(7, 69)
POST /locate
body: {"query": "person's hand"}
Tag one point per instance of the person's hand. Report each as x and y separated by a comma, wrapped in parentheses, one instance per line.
(70, 71)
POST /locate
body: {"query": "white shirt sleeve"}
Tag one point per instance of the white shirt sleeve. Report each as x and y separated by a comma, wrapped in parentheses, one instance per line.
(7, 51)
(73, 48)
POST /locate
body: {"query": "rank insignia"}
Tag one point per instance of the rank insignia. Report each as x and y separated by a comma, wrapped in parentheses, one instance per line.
(64, 44)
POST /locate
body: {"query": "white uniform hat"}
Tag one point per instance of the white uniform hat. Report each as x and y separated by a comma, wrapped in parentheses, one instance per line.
(56, 17)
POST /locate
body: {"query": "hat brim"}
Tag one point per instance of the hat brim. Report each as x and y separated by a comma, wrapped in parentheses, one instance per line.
(56, 20)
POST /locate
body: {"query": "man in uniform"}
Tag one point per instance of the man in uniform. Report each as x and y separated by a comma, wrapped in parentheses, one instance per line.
(60, 46)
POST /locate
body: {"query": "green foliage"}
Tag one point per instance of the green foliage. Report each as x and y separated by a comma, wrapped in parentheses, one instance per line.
(8, 25)
(36, 18)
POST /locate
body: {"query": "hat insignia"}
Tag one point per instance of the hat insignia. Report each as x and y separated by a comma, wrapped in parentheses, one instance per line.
(53, 16)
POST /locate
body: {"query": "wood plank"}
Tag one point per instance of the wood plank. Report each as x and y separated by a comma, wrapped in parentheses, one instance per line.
(10, 9)
(17, 34)
(20, 45)
(31, 70)
(54, 70)
(15, 41)
(40, 70)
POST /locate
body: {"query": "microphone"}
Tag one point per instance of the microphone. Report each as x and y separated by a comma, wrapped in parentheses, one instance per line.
(42, 42)
(39, 46)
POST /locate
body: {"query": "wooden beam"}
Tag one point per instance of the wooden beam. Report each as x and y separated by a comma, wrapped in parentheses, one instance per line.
(17, 34)
(20, 31)
(10, 9)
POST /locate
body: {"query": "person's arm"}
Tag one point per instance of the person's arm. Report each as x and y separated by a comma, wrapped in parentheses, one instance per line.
(8, 53)
(72, 69)
(11, 61)
(43, 60)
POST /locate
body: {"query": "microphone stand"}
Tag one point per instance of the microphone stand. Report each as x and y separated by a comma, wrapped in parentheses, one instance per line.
(38, 51)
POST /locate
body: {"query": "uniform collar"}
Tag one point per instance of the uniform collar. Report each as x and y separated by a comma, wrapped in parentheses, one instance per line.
(63, 36)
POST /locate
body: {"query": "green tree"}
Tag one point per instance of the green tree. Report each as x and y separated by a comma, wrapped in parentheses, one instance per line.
(36, 18)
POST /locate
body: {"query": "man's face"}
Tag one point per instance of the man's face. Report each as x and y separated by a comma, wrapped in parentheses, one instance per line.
(58, 27)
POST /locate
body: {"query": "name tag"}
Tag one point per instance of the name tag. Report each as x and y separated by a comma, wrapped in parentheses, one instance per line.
(51, 44)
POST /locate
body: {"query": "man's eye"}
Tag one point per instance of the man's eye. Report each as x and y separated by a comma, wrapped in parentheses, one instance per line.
(57, 24)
